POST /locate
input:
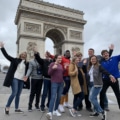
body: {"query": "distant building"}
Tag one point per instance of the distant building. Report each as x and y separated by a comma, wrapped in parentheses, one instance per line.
(4, 68)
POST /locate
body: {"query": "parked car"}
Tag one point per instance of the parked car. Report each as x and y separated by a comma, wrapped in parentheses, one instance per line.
(4, 68)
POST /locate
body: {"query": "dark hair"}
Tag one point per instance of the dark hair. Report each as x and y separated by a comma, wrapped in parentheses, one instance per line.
(55, 57)
(103, 51)
(66, 52)
(92, 49)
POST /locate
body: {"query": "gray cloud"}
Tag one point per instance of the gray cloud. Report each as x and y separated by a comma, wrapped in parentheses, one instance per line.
(101, 30)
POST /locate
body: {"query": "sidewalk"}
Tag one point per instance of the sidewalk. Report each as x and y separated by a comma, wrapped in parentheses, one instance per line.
(113, 114)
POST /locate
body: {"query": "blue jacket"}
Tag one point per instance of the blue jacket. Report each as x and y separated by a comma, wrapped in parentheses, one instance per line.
(111, 65)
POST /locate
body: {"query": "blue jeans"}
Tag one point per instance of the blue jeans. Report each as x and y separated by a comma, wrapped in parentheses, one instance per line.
(56, 91)
(46, 92)
(16, 87)
(94, 92)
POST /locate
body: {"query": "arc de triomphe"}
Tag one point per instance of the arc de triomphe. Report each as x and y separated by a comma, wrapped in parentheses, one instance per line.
(37, 19)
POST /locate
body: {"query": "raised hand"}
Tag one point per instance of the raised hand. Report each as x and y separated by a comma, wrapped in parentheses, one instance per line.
(85, 61)
(1, 44)
(48, 53)
(111, 47)
(54, 66)
(35, 50)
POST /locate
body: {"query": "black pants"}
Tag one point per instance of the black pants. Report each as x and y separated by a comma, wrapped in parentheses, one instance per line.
(36, 86)
(114, 86)
(77, 100)
(87, 102)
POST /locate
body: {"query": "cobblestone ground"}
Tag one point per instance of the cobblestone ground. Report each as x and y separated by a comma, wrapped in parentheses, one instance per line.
(113, 114)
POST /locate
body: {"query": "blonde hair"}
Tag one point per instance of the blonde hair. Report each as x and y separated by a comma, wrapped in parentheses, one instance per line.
(78, 54)
(74, 58)
(22, 53)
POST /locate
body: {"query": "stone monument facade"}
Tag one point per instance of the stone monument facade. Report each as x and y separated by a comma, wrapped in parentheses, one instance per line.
(36, 20)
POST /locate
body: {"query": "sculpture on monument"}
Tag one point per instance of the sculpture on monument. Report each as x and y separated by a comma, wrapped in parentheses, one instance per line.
(29, 49)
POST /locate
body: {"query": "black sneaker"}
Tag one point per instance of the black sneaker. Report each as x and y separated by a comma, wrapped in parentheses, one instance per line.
(30, 109)
(18, 111)
(6, 112)
(89, 109)
(104, 116)
(37, 108)
(79, 108)
(106, 109)
(42, 109)
(94, 114)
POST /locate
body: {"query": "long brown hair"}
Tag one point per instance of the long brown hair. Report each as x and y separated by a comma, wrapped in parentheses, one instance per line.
(90, 64)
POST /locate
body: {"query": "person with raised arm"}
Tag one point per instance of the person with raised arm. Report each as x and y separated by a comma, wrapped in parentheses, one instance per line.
(14, 78)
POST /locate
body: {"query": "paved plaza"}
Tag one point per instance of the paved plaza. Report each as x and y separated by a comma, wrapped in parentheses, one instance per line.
(113, 114)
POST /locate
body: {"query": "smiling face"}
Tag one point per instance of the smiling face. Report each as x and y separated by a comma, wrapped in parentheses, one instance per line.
(67, 54)
(105, 55)
(91, 52)
(76, 60)
(93, 60)
(23, 55)
(59, 59)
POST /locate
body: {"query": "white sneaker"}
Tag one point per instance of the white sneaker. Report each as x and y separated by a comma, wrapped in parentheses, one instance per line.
(49, 116)
(56, 113)
(67, 105)
(61, 108)
(72, 113)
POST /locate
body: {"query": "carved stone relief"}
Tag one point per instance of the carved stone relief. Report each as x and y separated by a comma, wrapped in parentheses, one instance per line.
(75, 34)
(33, 28)
(52, 20)
(50, 26)
(55, 9)
(29, 48)
(75, 50)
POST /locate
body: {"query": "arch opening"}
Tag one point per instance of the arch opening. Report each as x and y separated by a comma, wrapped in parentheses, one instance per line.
(57, 38)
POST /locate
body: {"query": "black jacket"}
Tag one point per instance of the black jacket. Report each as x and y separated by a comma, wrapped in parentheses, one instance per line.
(44, 63)
(13, 66)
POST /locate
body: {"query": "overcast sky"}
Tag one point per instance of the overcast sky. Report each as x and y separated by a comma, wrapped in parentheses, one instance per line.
(102, 28)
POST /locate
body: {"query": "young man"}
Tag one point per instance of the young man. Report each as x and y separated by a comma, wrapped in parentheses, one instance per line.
(111, 65)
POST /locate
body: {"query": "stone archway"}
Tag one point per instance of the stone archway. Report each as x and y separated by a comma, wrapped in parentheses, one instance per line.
(57, 37)
(37, 20)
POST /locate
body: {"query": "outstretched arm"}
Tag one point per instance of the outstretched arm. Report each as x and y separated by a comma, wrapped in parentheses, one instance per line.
(111, 48)
(37, 57)
(4, 52)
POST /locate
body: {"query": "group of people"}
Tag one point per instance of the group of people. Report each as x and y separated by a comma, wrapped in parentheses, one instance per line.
(87, 77)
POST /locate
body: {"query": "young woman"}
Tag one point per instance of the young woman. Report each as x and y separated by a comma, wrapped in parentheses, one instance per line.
(75, 84)
(14, 78)
(95, 71)
(56, 72)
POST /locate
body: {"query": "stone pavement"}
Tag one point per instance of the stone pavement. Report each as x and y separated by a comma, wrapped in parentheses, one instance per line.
(113, 114)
